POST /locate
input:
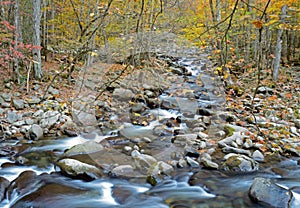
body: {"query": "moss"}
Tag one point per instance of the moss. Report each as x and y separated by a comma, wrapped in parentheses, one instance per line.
(228, 130)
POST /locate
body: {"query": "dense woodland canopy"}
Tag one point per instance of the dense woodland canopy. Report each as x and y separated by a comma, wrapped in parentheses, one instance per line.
(241, 34)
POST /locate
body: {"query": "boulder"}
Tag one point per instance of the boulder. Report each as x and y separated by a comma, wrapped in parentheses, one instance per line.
(18, 104)
(84, 148)
(4, 183)
(239, 163)
(36, 132)
(123, 94)
(49, 118)
(142, 161)
(75, 168)
(264, 191)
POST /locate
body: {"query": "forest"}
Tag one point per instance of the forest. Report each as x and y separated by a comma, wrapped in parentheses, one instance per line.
(149, 103)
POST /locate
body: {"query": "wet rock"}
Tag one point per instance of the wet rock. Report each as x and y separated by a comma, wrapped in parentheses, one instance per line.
(84, 148)
(160, 168)
(265, 192)
(126, 171)
(258, 156)
(4, 183)
(207, 163)
(123, 94)
(36, 132)
(26, 182)
(18, 104)
(239, 163)
(79, 169)
(142, 161)
(292, 147)
(192, 162)
(297, 123)
(84, 118)
(184, 139)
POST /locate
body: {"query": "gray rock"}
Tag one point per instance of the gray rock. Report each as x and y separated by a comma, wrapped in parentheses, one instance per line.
(207, 163)
(19, 123)
(18, 104)
(258, 156)
(38, 113)
(297, 123)
(36, 132)
(84, 148)
(124, 171)
(76, 168)
(264, 90)
(1, 111)
(53, 91)
(248, 144)
(49, 118)
(6, 96)
(12, 116)
(5, 104)
(236, 136)
(192, 163)
(84, 118)
(184, 139)
(160, 168)
(228, 149)
(202, 135)
(33, 100)
(239, 163)
(29, 121)
(142, 161)
(264, 191)
(123, 94)
(294, 130)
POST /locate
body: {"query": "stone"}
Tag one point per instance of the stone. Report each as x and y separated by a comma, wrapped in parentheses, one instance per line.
(266, 192)
(142, 161)
(258, 156)
(228, 149)
(297, 123)
(49, 118)
(160, 168)
(192, 163)
(265, 90)
(248, 144)
(123, 94)
(38, 113)
(12, 117)
(229, 140)
(36, 132)
(18, 104)
(79, 169)
(19, 123)
(239, 163)
(207, 163)
(53, 91)
(33, 100)
(84, 148)
(6, 96)
(4, 183)
(126, 171)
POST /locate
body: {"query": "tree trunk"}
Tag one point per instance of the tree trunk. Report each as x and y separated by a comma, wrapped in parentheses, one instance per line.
(279, 45)
(17, 35)
(37, 39)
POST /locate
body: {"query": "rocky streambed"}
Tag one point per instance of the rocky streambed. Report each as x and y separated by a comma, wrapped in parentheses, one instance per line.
(158, 137)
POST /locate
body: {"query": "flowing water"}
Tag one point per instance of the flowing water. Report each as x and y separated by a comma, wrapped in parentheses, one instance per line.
(210, 189)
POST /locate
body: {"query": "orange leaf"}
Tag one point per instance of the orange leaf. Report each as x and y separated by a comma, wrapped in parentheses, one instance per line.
(258, 24)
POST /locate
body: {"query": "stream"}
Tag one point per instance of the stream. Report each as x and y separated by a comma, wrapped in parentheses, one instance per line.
(38, 182)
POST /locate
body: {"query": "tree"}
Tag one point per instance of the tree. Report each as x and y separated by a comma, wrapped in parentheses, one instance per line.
(36, 4)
